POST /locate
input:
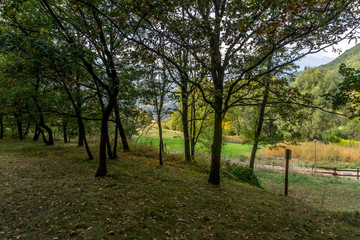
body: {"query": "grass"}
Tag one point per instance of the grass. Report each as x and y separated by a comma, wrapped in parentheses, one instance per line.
(331, 194)
(174, 141)
(49, 192)
(330, 155)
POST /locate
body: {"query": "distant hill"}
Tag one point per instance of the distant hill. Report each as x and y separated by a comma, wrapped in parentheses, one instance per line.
(350, 57)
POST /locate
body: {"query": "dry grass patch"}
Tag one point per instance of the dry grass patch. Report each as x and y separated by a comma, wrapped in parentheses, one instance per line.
(325, 153)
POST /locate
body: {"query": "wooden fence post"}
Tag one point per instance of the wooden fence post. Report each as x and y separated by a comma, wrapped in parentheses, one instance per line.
(287, 158)
(334, 172)
(357, 175)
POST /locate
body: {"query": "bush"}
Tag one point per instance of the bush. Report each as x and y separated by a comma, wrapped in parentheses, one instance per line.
(331, 135)
(242, 174)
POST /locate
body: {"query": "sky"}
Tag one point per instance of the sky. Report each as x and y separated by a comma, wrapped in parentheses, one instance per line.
(323, 57)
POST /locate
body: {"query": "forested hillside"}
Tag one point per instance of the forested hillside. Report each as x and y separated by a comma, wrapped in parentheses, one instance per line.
(350, 57)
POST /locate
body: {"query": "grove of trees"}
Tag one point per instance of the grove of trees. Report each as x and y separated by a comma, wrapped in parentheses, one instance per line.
(90, 66)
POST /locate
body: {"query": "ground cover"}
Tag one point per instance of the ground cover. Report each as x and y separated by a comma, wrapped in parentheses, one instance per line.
(49, 192)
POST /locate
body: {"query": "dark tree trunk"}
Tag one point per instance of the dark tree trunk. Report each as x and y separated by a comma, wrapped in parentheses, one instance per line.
(82, 133)
(214, 177)
(121, 131)
(1, 127)
(43, 136)
(114, 154)
(81, 139)
(65, 132)
(36, 133)
(161, 144)
(102, 170)
(184, 119)
(259, 126)
(49, 131)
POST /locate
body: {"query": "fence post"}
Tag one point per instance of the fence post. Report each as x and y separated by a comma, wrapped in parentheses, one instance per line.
(357, 175)
(287, 158)
(334, 172)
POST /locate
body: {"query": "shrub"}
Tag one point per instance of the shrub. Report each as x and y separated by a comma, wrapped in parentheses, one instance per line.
(242, 174)
(331, 135)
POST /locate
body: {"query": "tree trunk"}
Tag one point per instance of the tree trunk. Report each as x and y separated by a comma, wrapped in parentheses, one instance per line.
(121, 131)
(43, 136)
(259, 126)
(82, 133)
(50, 133)
(36, 133)
(161, 144)
(65, 132)
(1, 127)
(193, 129)
(114, 154)
(102, 170)
(184, 119)
(214, 177)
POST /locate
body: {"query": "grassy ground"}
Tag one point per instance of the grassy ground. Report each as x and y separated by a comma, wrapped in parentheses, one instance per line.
(50, 193)
(174, 141)
(333, 194)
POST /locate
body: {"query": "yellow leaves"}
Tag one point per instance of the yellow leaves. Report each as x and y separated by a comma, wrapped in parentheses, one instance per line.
(42, 31)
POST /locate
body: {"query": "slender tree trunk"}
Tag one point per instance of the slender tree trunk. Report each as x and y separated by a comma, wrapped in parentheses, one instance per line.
(65, 132)
(161, 144)
(36, 133)
(43, 136)
(81, 127)
(1, 127)
(184, 119)
(114, 154)
(259, 126)
(193, 128)
(121, 130)
(48, 130)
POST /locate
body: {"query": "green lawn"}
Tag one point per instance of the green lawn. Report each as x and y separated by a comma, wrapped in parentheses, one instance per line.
(229, 150)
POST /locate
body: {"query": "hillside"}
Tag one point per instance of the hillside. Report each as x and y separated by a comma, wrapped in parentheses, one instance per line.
(50, 193)
(350, 57)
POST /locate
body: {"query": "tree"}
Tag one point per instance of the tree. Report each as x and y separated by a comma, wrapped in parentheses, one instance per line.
(221, 35)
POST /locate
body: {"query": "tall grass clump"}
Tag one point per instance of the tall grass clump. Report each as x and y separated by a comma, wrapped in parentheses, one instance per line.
(325, 153)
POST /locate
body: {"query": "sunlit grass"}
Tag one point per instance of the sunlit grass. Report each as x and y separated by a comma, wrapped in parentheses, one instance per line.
(229, 149)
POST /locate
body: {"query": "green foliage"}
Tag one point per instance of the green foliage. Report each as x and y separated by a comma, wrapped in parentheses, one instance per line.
(331, 135)
(242, 174)
(348, 143)
(174, 121)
